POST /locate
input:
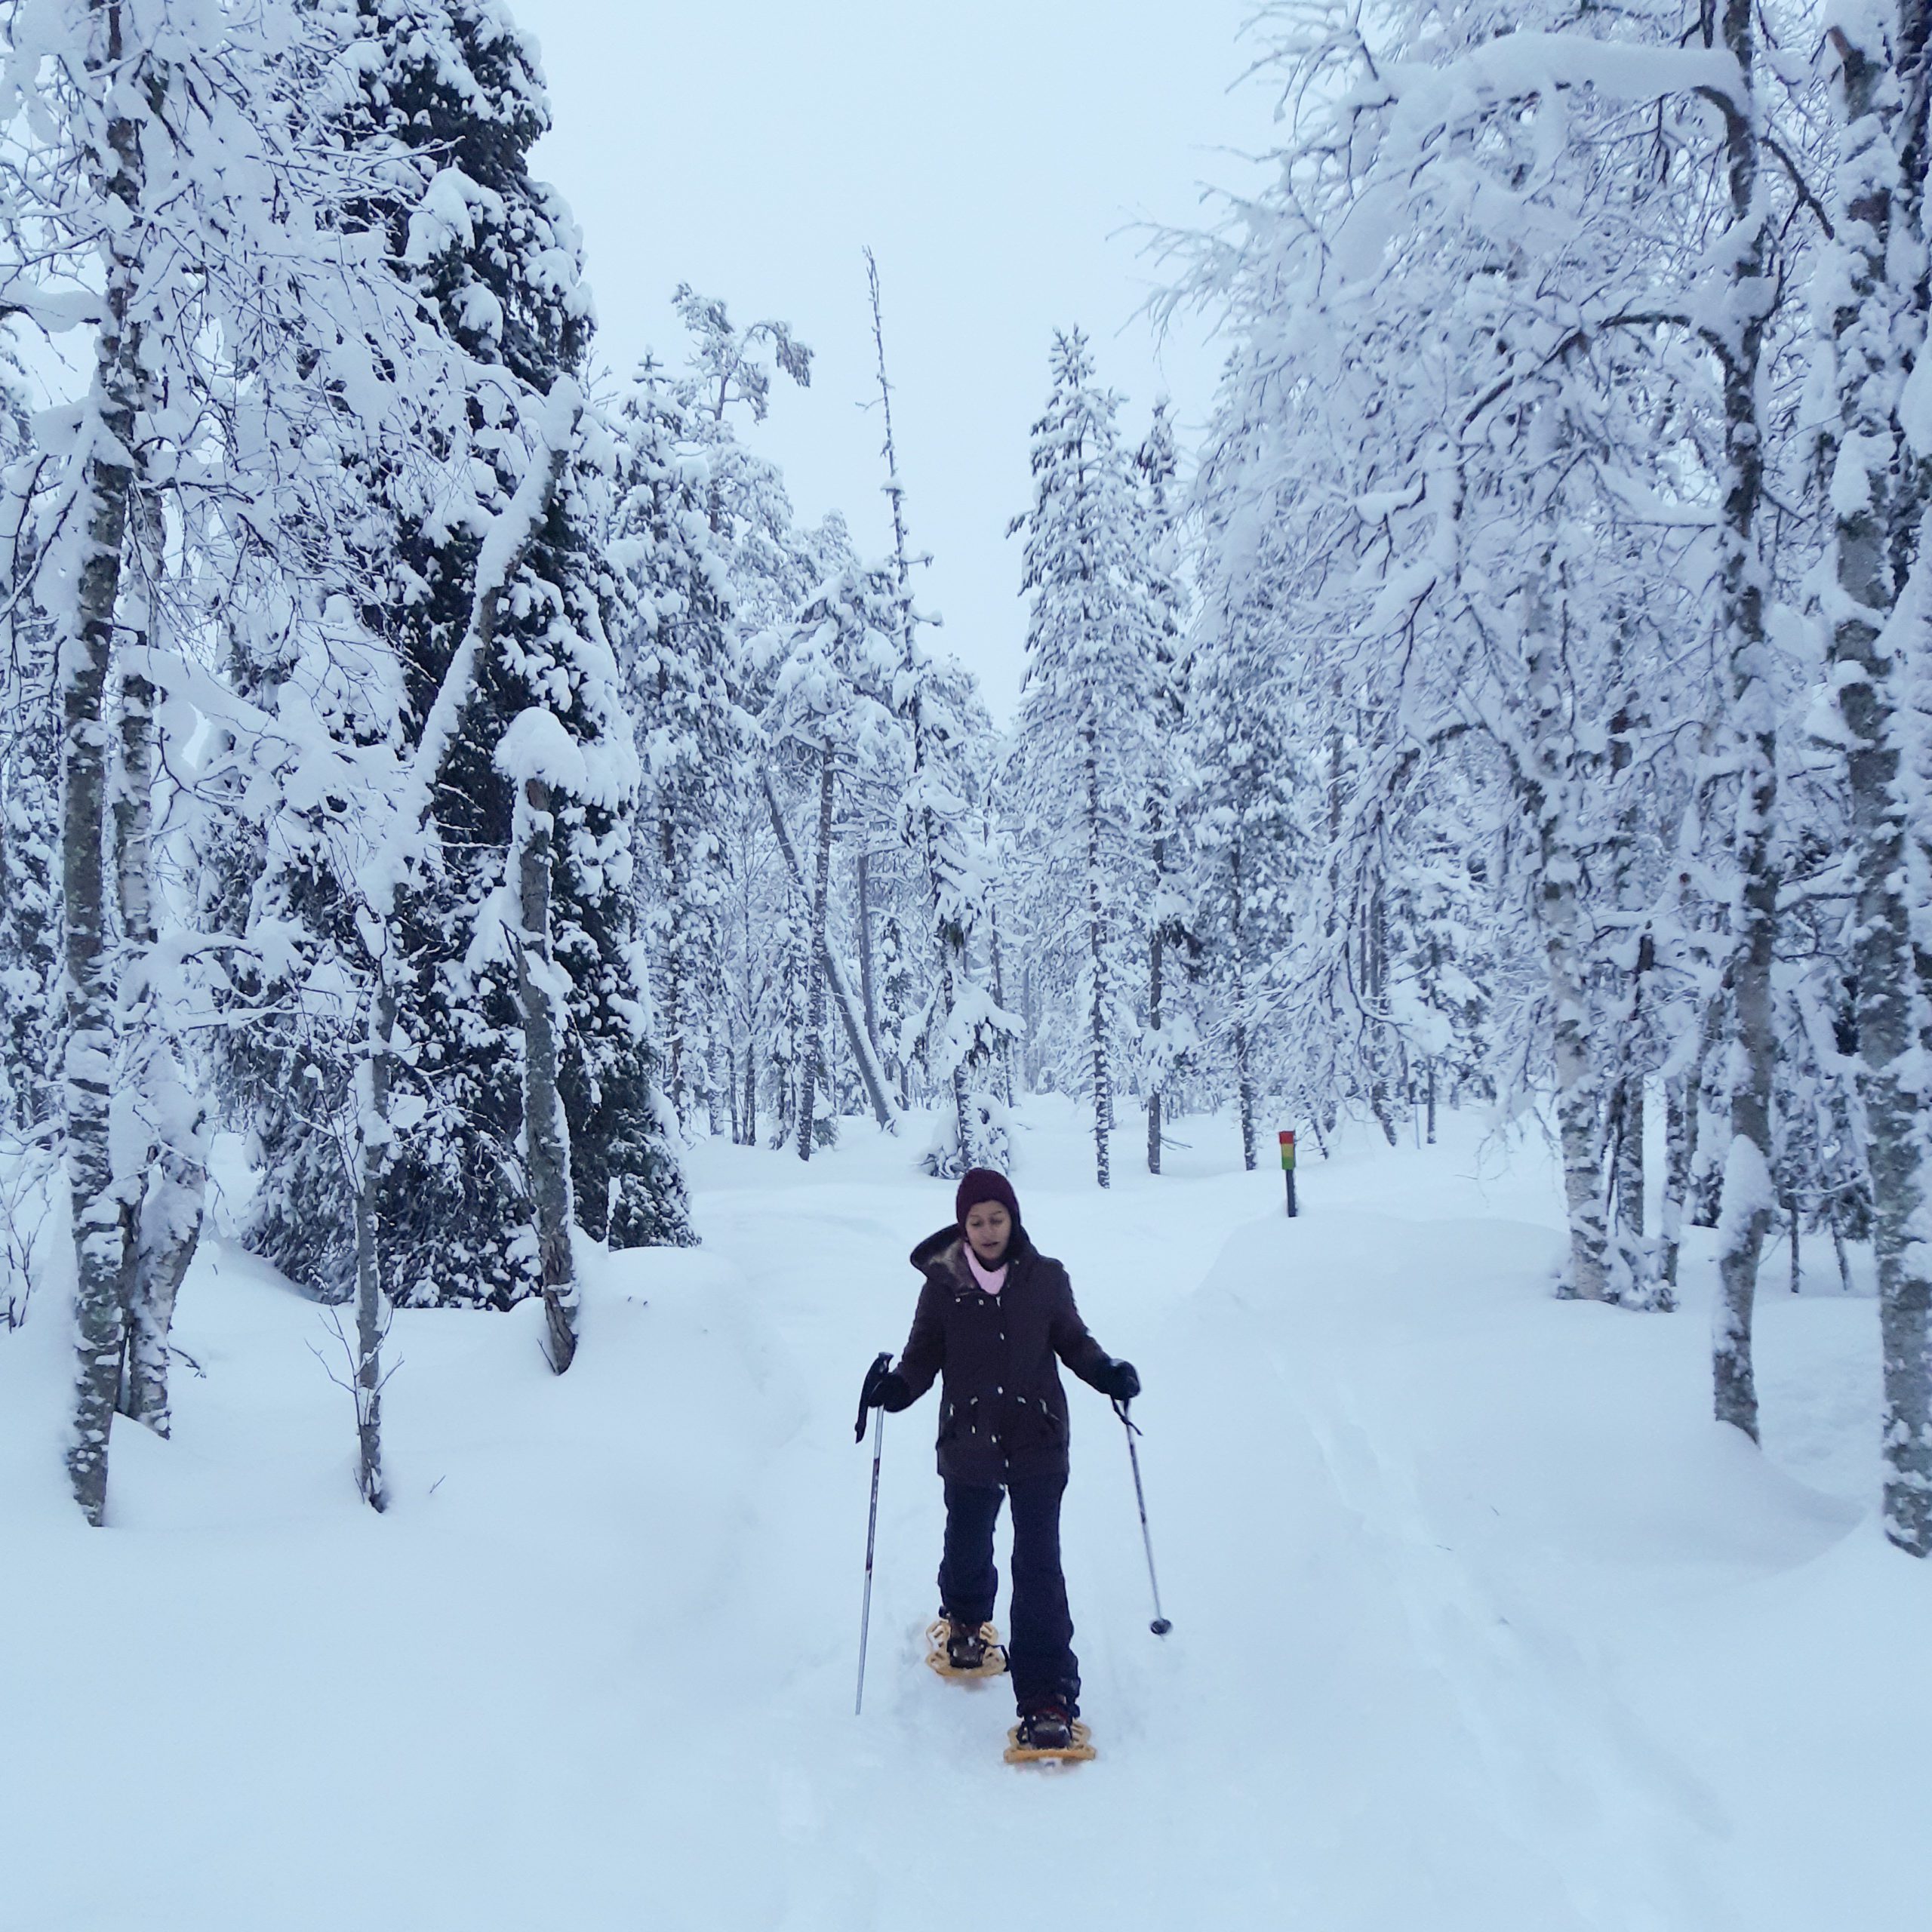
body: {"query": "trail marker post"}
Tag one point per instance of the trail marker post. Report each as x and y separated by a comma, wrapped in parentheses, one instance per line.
(1288, 1139)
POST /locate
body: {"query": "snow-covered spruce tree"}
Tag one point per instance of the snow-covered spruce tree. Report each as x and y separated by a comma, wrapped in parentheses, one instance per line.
(628, 1187)
(675, 669)
(1084, 716)
(1445, 993)
(1282, 731)
(1168, 1036)
(454, 1208)
(828, 710)
(415, 98)
(1245, 812)
(788, 1048)
(536, 754)
(494, 254)
(1875, 334)
(771, 671)
(898, 1012)
(751, 950)
(938, 826)
(997, 843)
(772, 568)
(942, 824)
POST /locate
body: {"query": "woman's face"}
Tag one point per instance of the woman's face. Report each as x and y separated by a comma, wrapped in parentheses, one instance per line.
(989, 1227)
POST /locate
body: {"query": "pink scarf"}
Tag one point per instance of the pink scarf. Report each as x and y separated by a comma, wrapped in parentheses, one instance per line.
(993, 1280)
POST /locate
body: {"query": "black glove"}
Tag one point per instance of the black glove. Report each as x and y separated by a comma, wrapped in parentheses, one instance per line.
(1122, 1384)
(883, 1390)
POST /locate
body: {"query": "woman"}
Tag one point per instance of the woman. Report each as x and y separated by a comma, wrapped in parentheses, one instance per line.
(992, 1315)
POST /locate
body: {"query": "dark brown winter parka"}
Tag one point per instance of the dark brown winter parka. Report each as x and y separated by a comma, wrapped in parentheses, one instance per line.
(1002, 1414)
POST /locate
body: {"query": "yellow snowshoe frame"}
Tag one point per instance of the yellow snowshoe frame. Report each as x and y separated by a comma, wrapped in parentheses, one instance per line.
(994, 1664)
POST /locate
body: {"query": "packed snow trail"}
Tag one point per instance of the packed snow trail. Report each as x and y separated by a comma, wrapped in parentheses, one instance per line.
(1477, 1623)
(1300, 1726)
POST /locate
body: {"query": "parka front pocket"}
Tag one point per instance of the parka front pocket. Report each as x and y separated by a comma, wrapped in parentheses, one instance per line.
(1051, 1427)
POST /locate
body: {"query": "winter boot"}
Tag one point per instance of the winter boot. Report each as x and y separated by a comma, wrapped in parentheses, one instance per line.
(1046, 1723)
(965, 1644)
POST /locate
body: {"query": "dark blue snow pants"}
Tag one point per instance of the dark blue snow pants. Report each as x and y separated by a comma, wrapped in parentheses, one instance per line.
(1039, 1649)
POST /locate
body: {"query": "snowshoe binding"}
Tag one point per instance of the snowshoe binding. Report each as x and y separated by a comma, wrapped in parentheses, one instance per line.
(1047, 1734)
(964, 1650)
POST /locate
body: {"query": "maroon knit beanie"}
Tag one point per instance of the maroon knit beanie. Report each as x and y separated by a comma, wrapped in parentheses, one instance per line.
(981, 1184)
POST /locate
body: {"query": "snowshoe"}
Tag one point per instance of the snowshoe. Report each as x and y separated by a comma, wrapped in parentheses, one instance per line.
(964, 1650)
(1046, 1734)
(1045, 1726)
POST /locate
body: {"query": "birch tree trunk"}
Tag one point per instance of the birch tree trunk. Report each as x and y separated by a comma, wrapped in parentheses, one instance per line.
(130, 791)
(101, 512)
(162, 1210)
(546, 1133)
(1748, 1197)
(814, 1059)
(373, 1140)
(1680, 1150)
(1638, 1282)
(1631, 1126)
(1635, 1282)
(167, 1239)
(1880, 495)
(718, 1089)
(1560, 915)
(1577, 1115)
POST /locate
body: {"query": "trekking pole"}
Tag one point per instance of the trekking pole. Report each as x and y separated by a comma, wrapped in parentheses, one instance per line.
(871, 1538)
(1160, 1626)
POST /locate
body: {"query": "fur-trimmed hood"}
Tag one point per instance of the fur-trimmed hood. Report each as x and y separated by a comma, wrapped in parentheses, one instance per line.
(943, 1252)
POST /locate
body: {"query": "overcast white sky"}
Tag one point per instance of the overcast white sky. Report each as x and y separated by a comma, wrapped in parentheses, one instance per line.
(990, 151)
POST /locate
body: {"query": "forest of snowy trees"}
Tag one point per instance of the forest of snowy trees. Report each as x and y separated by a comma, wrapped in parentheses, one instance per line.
(458, 772)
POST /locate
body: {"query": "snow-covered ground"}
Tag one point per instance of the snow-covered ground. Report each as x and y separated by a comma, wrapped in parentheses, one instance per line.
(1477, 1622)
